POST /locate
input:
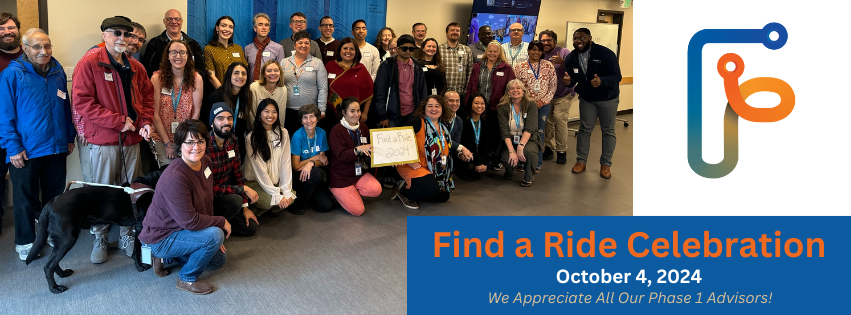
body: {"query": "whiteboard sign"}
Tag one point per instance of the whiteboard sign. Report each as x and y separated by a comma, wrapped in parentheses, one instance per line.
(393, 146)
(603, 34)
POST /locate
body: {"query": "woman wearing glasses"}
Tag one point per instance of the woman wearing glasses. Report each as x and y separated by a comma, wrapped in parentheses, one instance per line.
(269, 171)
(221, 52)
(180, 226)
(180, 89)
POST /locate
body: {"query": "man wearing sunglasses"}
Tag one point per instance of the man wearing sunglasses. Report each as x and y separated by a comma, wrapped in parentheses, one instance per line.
(173, 23)
(516, 51)
(399, 85)
(114, 97)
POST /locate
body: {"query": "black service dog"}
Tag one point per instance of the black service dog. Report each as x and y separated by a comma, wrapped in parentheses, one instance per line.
(64, 216)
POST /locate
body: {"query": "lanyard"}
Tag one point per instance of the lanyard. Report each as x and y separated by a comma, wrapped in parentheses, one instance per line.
(536, 73)
(175, 102)
(514, 56)
(355, 136)
(477, 129)
(516, 118)
(237, 107)
(308, 140)
(452, 125)
(440, 141)
(298, 69)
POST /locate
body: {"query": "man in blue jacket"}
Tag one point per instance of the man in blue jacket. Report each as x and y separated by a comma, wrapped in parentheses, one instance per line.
(36, 130)
(595, 71)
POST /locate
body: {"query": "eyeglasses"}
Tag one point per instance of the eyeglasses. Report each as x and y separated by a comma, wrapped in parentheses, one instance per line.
(118, 33)
(199, 144)
(10, 28)
(174, 53)
(546, 40)
(407, 48)
(326, 25)
(136, 37)
(39, 47)
(298, 22)
(174, 19)
(516, 29)
(575, 38)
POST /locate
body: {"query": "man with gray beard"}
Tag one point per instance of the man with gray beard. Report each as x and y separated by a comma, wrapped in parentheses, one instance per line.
(114, 96)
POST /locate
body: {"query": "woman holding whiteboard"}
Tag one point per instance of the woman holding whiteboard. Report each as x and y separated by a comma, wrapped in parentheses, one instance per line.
(350, 151)
(430, 179)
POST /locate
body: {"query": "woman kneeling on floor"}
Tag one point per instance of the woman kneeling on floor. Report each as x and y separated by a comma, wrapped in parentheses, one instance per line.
(350, 151)
(308, 148)
(430, 179)
(518, 121)
(268, 170)
(180, 227)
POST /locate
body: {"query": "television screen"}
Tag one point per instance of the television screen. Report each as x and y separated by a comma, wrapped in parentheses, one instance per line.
(521, 7)
(499, 24)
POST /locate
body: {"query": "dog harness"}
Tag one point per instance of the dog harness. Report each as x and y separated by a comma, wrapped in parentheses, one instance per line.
(135, 190)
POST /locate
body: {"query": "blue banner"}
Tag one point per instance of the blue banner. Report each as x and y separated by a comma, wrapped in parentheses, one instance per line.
(202, 16)
(694, 265)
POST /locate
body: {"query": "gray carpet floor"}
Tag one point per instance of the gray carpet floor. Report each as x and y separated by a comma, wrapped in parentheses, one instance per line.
(317, 263)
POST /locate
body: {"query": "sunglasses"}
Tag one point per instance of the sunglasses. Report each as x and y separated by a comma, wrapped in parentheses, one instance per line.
(406, 48)
(118, 33)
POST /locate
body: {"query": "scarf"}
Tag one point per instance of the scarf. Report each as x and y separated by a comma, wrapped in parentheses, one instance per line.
(258, 60)
(438, 142)
(350, 127)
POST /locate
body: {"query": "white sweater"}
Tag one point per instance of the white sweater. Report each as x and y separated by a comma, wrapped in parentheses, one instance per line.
(275, 175)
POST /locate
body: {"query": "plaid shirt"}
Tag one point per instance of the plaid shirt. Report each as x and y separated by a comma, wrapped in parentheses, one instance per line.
(227, 178)
(452, 58)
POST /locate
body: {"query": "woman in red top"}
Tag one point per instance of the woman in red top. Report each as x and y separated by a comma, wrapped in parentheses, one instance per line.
(180, 90)
(347, 77)
(350, 151)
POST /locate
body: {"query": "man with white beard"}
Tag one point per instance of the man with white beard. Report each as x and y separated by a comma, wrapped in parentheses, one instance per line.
(114, 96)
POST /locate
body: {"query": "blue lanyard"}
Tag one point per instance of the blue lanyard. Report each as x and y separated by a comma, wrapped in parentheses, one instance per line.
(440, 141)
(175, 102)
(308, 140)
(536, 73)
(516, 117)
(476, 129)
(355, 136)
(514, 56)
(237, 108)
(452, 125)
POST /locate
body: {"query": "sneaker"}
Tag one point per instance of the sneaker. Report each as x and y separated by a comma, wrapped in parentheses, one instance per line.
(23, 250)
(99, 254)
(408, 202)
(50, 241)
(127, 243)
(548, 154)
(497, 167)
(389, 183)
(537, 170)
(199, 287)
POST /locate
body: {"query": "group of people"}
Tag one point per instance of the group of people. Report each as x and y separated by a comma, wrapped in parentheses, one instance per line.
(284, 125)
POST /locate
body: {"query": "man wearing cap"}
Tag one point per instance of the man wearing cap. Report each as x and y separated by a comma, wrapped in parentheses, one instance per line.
(173, 22)
(36, 129)
(298, 23)
(399, 85)
(231, 195)
(114, 96)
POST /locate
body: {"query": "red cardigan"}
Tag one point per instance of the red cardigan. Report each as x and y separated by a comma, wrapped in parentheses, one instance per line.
(498, 83)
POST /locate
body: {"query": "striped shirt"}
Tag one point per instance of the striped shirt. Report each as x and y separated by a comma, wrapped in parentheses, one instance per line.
(311, 78)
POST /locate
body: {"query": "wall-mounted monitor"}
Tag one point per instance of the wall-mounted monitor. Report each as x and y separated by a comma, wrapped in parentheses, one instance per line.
(500, 14)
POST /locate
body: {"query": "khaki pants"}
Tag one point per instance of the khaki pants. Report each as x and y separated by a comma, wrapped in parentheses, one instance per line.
(556, 132)
(106, 167)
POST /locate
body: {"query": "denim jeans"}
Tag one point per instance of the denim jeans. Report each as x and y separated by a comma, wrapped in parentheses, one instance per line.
(588, 114)
(197, 251)
(542, 125)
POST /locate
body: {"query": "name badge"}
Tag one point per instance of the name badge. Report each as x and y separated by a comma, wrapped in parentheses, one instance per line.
(236, 55)
(208, 172)
(367, 54)
(500, 74)
(358, 169)
(516, 139)
(267, 54)
(332, 75)
(165, 91)
(460, 52)
(174, 125)
(537, 87)
(480, 56)
(107, 76)
(425, 69)
(433, 91)
(460, 68)
(146, 254)
(292, 52)
(443, 159)
(308, 69)
(329, 53)
(61, 94)
(529, 71)
(316, 149)
(524, 115)
(295, 90)
(575, 70)
(231, 154)
(596, 60)
(363, 140)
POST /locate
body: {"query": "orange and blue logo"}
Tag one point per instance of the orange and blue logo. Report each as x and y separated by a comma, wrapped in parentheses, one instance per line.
(736, 94)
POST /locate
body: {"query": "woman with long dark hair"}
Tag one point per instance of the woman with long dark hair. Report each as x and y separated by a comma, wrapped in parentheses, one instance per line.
(221, 51)
(474, 137)
(180, 91)
(435, 73)
(268, 170)
(237, 95)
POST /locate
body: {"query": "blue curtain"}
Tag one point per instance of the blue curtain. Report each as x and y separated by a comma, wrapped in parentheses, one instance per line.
(203, 14)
